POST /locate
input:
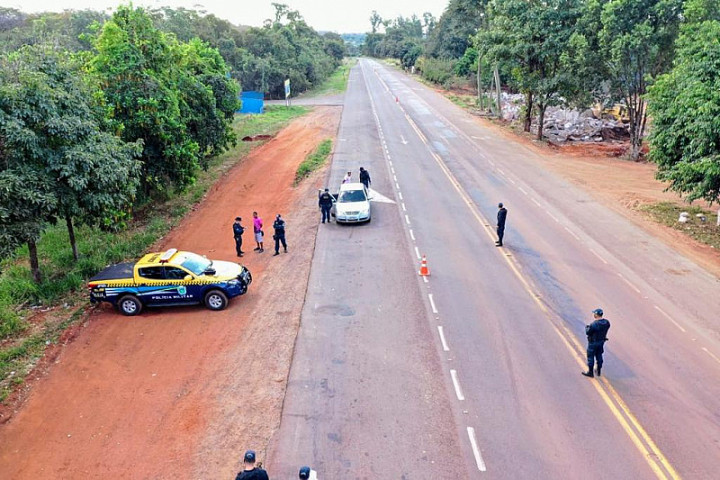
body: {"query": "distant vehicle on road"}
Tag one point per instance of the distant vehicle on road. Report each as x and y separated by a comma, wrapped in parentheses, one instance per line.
(352, 204)
(169, 279)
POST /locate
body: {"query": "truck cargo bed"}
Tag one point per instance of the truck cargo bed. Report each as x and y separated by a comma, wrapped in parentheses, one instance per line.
(115, 272)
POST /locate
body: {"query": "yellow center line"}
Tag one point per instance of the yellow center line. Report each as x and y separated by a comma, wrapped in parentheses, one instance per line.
(640, 438)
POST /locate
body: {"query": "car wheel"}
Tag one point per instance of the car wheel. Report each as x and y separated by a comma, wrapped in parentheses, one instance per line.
(129, 305)
(215, 300)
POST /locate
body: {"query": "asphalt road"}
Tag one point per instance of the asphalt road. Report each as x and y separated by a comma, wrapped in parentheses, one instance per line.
(476, 373)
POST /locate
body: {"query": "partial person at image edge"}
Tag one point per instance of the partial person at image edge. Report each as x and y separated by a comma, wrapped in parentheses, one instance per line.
(251, 472)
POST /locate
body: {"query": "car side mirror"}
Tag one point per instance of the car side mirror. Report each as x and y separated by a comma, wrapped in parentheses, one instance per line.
(188, 278)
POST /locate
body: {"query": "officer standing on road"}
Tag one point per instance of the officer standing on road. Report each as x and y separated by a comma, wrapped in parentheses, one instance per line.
(325, 202)
(597, 336)
(501, 217)
(307, 473)
(279, 226)
(365, 177)
(238, 230)
(251, 472)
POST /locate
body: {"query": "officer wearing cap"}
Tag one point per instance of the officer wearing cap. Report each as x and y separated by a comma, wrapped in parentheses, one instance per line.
(306, 473)
(251, 472)
(325, 202)
(238, 231)
(597, 336)
(501, 217)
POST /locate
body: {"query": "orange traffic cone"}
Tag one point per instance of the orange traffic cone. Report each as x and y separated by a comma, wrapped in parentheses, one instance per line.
(424, 271)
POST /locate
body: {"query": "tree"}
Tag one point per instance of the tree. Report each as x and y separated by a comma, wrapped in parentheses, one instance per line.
(54, 144)
(451, 35)
(375, 21)
(685, 108)
(636, 42)
(531, 37)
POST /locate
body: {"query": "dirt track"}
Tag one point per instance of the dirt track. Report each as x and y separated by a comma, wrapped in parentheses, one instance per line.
(182, 392)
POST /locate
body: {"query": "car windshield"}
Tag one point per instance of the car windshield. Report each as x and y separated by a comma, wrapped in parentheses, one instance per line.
(349, 196)
(195, 263)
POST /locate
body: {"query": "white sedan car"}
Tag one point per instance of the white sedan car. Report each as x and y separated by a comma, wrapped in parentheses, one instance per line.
(352, 204)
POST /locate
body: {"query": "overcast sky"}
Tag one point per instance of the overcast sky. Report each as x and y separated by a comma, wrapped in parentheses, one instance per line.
(341, 16)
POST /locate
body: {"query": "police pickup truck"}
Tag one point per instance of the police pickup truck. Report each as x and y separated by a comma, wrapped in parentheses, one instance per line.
(168, 279)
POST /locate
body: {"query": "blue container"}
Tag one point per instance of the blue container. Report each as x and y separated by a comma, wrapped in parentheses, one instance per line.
(252, 102)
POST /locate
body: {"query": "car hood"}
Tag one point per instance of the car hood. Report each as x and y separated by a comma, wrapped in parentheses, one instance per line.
(352, 206)
(225, 269)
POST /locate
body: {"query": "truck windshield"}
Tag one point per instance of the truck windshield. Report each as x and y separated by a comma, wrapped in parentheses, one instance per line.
(195, 263)
(349, 196)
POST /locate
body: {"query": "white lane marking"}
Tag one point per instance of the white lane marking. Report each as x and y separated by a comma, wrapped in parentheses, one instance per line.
(389, 157)
(404, 142)
(476, 451)
(456, 384)
(552, 216)
(417, 252)
(432, 303)
(598, 255)
(522, 190)
(400, 195)
(491, 163)
(669, 318)
(512, 181)
(392, 170)
(397, 185)
(442, 339)
(395, 178)
(425, 279)
(628, 282)
(501, 172)
(536, 202)
(572, 233)
(412, 235)
(704, 350)
(403, 207)
(407, 219)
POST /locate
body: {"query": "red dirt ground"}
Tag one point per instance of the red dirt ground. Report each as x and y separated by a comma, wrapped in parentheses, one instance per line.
(182, 392)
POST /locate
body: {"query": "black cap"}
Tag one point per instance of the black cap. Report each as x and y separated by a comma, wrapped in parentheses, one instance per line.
(250, 456)
(598, 312)
(327, 189)
(500, 205)
(304, 473)
(237, 219)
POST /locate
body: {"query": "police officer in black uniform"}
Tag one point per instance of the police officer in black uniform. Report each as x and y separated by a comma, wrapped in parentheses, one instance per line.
(325, 202)
(501, 217)
(279, 226)
(365, 177)
(597, 336)
(238, 230)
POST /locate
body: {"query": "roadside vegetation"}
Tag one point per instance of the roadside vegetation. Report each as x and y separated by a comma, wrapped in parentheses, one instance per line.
(667, 213)
(337, 82)
(313, 161)
(23, 339)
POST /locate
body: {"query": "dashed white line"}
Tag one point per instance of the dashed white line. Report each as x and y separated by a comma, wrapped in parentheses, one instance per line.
(491, 163)
(407, 219)
(704, 350)
(536, 202)
(628, 282)
(442, 339)
(598, 255)
(389, 161)
(552, 216)
(669, 318)
(397, 185)
(512, 181)
(432, 303)
(522, 190)
(572, 233)
(476, 451)
(412, 235)
(501, 172)
(400, 195)
(392, 170)
(403, 207)
(456, 383)
(417, 253)
(395, 178)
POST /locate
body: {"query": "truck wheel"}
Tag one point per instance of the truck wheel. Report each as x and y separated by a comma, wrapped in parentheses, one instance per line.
(129, 305)
(216, 300)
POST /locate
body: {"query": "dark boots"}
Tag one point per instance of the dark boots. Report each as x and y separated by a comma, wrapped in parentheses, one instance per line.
(589, 373)
(599, 368)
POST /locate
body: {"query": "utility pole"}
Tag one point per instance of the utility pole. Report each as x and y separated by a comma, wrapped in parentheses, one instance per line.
(499, 98)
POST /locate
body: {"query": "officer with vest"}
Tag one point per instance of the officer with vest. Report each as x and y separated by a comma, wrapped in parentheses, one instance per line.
(279, 226)
(238, 230)
(597, 336)
(325, 202)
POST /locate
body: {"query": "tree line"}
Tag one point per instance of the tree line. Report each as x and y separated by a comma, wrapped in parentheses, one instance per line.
(101, 113)
(658, 57)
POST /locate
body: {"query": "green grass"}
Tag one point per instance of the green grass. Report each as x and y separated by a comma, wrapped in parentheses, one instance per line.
(336, 83)
(313, 161)
(64, 278)
(667, 213)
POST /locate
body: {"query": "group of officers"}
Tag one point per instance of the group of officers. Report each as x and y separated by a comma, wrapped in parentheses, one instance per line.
(253, 471)
(259, 234)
